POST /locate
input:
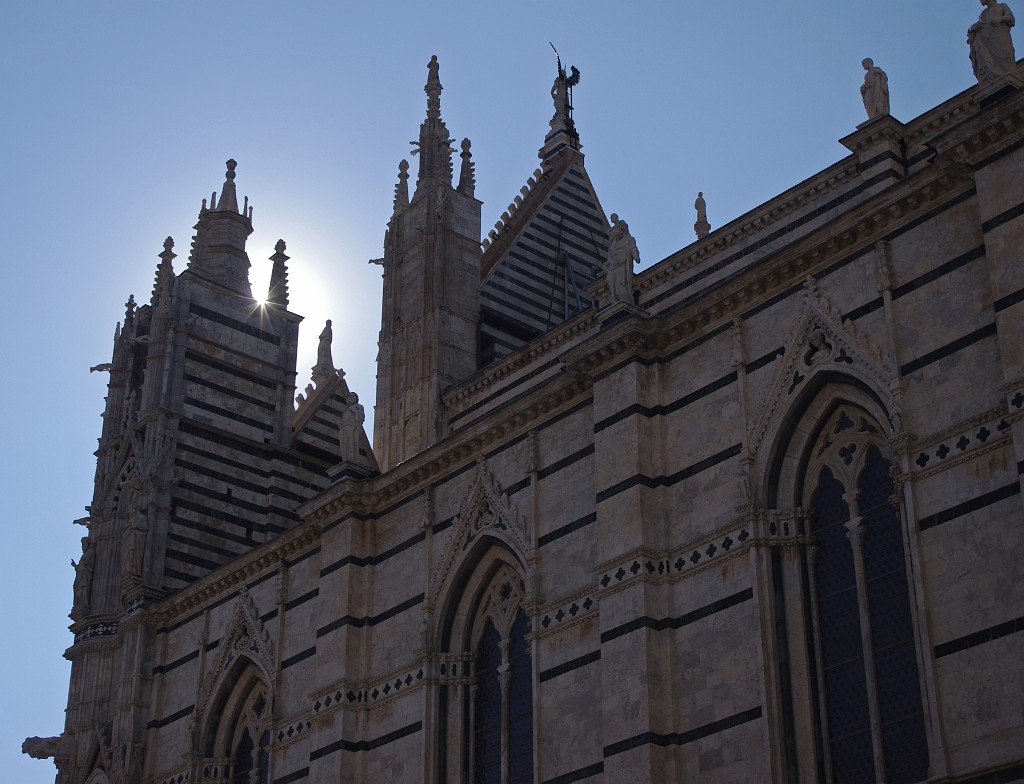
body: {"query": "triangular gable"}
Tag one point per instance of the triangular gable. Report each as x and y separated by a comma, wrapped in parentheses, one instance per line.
(245, 637)
(540, 256)
(486, 512)
(319, 419)
(820, 342)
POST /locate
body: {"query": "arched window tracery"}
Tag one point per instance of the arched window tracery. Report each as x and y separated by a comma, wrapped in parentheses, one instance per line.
(251, 741)
(866, 660)
(502, 693)
(238, 731)
(485, 696)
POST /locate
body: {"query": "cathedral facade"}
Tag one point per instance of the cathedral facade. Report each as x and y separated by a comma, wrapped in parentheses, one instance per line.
(753, 514)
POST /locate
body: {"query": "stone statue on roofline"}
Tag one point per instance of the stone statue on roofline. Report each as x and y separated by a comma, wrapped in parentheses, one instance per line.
(622, 255)
(561, 94)
(701, 227)
(324, 367)
(992, 55)
(875, 90)
(351, 429)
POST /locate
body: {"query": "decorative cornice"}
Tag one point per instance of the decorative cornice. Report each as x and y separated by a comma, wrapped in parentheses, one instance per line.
(741, 230)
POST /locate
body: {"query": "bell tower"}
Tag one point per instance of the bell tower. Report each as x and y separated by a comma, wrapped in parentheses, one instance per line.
(428, 335)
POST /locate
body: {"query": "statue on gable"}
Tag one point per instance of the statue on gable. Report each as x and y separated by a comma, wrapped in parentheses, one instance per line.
(561, 94)
(622, 255)
(83, 578)
(875, 90)
(992, 54)
(324, 367)
(351, 429)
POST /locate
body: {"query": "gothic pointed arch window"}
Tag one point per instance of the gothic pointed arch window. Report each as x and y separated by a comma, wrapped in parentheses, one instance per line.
(487, 699)
(239, 729)
(502, 717)
(866, 660)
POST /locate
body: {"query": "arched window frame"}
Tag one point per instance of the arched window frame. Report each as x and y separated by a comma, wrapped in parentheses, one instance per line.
(243, 706)
(474, 600)
(502, 609)
(822, 441)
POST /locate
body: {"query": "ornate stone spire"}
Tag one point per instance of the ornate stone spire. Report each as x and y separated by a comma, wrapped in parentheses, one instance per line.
(218, 247)
(467, 176)
(402, 188)
(164, 283)
(278, 292)
(434, 146)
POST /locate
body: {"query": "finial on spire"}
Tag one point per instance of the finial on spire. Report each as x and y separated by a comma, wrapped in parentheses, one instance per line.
(228, 199)
(467, 176)
(164, 275)
(324, 367)
(129, 309)
(434, 146)
(278, 292)
(402, 188)
(433, 89)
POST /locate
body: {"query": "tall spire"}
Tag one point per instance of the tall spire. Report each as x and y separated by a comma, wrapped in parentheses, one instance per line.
(164, 282)
(278, 292)
(467, 176)
(434, 146)
(218, 248)
(402, 188)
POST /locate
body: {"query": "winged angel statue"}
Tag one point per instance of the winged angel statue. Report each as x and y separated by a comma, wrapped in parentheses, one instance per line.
(561, 93)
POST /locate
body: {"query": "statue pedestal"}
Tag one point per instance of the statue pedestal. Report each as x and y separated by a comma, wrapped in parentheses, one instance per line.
(702, 229)
(620, 311)
(346, 469)
(999, 89)
(880, 149)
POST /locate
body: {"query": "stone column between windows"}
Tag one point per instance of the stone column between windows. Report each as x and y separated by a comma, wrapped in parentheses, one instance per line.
(855, 530)
(503, 680)
(819, 669)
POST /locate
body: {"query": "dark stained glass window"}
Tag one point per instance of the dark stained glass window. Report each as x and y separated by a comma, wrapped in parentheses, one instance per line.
(487, 709)
(502, 732)
(242, 760)
(520, 704)
(846, 695)
(265, 758)
(892, 632)
(884, 637)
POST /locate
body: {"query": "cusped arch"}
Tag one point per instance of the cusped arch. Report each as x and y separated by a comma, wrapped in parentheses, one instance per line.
(241, 689)
(460, 610)
(823, 350)
(486, 519)
(782, 467)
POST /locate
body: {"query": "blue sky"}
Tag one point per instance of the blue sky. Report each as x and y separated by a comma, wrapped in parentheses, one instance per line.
(117, 118)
